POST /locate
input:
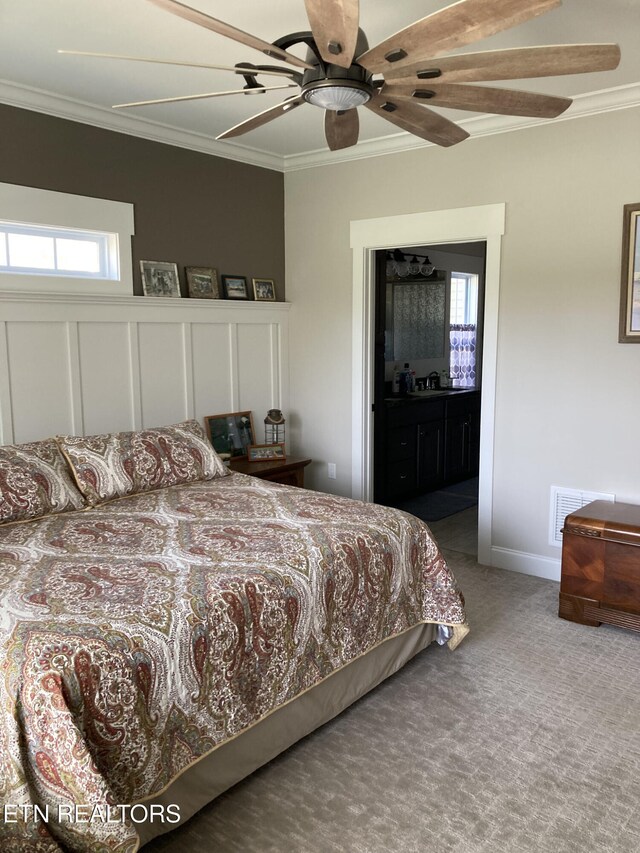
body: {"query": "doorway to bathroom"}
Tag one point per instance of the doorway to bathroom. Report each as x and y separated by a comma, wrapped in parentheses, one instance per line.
(428, 322)
(463, 224)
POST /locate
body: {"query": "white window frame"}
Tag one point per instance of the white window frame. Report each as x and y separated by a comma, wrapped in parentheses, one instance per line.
(32, 207)
(469, 279)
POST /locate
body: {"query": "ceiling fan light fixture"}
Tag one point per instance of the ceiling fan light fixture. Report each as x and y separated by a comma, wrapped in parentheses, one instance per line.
(337, 95)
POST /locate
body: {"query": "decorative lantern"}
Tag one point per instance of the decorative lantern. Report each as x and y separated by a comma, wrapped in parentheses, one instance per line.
(274, 427)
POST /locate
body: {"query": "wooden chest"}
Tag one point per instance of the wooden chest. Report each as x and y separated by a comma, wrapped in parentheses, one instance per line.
(601, 565)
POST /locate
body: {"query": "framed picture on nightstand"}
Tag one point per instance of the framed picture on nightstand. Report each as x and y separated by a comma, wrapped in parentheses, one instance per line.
(266, 452)
(230, 434)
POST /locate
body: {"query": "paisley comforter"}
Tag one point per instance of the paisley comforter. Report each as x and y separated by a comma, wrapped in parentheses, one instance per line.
(139, 635)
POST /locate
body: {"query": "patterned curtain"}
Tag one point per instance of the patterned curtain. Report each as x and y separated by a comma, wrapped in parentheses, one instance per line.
(462, 342)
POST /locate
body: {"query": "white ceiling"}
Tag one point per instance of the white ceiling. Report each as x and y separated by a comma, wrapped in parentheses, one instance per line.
(32, 73)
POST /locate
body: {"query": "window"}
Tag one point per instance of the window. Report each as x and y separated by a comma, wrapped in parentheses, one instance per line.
(464, 297)
(57, 251)
(59, 242)
(463, 319)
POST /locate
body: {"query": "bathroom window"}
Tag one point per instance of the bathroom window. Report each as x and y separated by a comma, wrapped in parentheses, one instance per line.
(463, 328)
(464, 297)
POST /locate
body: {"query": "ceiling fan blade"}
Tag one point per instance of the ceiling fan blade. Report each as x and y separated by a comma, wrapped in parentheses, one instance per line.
(223, 29)
(341, 128)
(334, 24)
(418, 120)
(201, 97)
(262, 118)
(455, 26)
(481, 99)
(514, 63)
(286, 72)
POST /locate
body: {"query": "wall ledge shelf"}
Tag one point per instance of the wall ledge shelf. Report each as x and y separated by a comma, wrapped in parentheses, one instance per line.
(150, 302)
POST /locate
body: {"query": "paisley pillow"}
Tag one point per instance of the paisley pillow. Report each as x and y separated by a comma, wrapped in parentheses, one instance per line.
(35, 481)
(125, 463)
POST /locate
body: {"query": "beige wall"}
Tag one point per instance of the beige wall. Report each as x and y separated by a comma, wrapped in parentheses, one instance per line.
(567, 395)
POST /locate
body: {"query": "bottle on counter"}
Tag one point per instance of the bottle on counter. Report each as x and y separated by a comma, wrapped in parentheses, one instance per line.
(395, 385)
(444, 379)
(405, 379)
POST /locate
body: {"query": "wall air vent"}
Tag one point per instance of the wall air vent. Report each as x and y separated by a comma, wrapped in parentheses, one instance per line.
(565, 501)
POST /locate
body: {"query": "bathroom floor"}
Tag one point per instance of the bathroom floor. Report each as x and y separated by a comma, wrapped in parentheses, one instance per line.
(458, 532)
(451, 513)
(432, 506)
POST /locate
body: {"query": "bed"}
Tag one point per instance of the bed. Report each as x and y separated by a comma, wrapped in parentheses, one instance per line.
(167, 627)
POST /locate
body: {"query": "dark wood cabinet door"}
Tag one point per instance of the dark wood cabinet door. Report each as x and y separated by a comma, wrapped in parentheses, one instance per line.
(462, 444)
(458, 448)
(430, 455)
(401, 478)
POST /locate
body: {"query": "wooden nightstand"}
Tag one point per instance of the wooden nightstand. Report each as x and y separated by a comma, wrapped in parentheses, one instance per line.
(290, 472)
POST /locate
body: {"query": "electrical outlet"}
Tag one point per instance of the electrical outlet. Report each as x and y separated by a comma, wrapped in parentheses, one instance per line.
(331, 472)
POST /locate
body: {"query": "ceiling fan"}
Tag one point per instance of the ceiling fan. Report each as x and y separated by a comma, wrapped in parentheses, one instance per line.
(339, 71)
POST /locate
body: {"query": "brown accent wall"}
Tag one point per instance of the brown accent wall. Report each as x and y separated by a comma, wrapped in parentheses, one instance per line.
(191, 208)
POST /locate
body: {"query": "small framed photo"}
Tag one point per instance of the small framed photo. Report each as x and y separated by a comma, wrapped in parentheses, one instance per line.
(264, 290)
(266, 452)
(230, 434)
(202, 283)
(159, 278)
(235, 286)
(630, 287)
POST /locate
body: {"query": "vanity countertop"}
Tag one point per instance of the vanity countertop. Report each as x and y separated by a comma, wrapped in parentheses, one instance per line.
(421, 396)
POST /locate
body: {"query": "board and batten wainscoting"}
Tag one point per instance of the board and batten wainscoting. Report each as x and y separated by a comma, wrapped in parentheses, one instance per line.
(76, 364)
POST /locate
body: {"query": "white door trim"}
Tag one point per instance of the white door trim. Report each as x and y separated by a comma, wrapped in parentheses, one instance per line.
(485, 222)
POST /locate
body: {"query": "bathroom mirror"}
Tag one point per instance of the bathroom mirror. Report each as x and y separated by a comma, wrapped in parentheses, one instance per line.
(416, 323)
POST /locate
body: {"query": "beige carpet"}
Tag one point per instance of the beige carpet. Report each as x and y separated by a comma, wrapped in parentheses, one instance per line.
(524, 740)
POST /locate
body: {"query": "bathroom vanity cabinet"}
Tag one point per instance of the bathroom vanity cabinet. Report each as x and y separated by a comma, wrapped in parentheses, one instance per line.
(429, 442)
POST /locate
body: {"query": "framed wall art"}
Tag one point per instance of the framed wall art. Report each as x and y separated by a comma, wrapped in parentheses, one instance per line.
(235, 286)
(630, 284)
(264, 290)
(202, 283)
(230, 434)
(159, 278)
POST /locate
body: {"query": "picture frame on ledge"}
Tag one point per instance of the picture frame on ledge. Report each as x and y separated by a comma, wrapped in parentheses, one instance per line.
(202, 283)
(264, 289)
(630, 283)
(266, 453)
(235, 286)
(160, 278)
(230, 434)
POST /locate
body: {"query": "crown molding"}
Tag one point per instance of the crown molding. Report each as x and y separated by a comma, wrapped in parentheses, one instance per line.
(59, 106)
(593, 103)
(38, 100)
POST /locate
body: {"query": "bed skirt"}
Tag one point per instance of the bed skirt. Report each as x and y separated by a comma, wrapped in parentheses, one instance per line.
(234, 760)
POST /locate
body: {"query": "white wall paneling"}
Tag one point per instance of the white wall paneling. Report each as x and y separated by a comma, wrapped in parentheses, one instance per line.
(106, 394)
(84, 364)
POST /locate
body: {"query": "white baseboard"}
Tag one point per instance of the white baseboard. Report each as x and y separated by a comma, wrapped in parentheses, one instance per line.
(526, 564)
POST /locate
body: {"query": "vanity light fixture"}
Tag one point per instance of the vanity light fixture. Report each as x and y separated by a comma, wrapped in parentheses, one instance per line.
(402, 265)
